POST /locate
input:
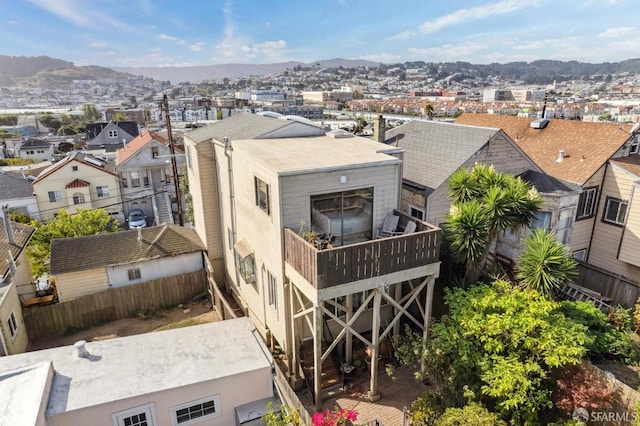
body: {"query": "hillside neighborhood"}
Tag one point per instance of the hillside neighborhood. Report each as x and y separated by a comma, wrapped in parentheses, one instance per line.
(384, 245)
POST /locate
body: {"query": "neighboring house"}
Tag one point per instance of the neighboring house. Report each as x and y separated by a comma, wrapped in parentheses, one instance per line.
(109, 137)
(78, 181)
(205, 374)
(577, 152)
(15, 281)
(36, 150)
(86, 265)
(16, 192)
(433, 151)
(259, 185)
(146, 176)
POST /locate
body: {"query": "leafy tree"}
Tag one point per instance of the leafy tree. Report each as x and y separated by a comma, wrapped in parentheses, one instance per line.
(472, 414)
(429, 111)
(67, 130)
(65, 225)
(118, 116)
(184, 188)
(90, 112)
(357, 95)
(8, 120)
(49, 121)
(605, 117)
(545, 265)
(485, 203)
(501, 343)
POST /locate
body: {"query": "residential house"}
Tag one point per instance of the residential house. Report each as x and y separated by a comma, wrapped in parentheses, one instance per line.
(36, 150)
(208, 374)
(146, 176)
(433, 151)
(106, 138)
(580, 153)
(262, 188)
(89, 264)
(78, 181)
(15, 282)
(16, 192)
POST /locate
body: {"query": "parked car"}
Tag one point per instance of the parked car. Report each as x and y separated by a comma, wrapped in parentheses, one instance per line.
(137, 219)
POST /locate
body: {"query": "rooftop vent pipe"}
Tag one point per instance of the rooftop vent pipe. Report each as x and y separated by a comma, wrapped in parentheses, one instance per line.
(81, 348)
(560, 156)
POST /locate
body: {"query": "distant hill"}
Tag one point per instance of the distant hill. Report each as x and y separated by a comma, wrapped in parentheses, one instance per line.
(217, 72)
(43, 70)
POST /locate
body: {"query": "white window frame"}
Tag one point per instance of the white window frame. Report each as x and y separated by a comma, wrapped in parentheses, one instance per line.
(216, 404)
(102, 191)
(135, 273)
(148, 409)
(542, 219)
(618, 221)
(587, 209)
(272, 290)
(113, 134)
(78, 198)
(580, 255)
(12, 322)
(55, 196)
(411, 210)
(634, 148)
(135, 179)
(263, 196)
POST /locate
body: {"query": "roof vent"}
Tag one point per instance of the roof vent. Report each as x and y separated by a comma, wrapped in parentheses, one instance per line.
(81, 348)
(560, 156)
(539, 123)
(339, 134)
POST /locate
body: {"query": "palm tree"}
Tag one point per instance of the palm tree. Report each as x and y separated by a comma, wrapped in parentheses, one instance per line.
(545, 265)
(499, 202)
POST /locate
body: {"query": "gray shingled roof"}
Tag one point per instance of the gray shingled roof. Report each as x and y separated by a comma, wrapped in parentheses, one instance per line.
(434, 150)
(546, 184)
(102, 250)
(13, 186)
(238, 127)
(21, 235)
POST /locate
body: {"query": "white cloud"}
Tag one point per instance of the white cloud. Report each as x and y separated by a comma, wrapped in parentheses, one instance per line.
(614, 32)
(197, 47)
(447, 52)
(13, 22)
(380, 57)
(267, 24)
(172, 38)
(80, 13)
(97, 44)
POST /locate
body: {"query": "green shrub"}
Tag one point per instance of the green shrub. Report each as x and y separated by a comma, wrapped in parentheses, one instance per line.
(600, 329)
(472, 414)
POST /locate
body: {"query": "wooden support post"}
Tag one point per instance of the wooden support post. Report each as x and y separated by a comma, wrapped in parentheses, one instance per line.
(373, 394)
(348, 346)
(427, 322)
(397, 296)
(317, 356)
(294, 363)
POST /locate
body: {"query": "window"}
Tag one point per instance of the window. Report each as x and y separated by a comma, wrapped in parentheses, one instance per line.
(103, 191)
(565, 221)
(587, 203)
(541, 220)
(416, 212)
(78, 198)
(55, 196)
(580, 254)
(272, 284)
(195, 411)
(154, 152)
(615, 211)
(634, 148)
(143, 415)
(123, 179)
(74, 168)
(145, 178)
(135, 179)
(134, 274)
(113, 133)
(262, 195)
(245, 262)
(13, 325)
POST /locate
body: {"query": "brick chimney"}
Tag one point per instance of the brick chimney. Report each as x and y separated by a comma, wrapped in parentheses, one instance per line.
(379, 127)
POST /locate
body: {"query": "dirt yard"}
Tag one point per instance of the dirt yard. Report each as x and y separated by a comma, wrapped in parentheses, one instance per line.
(199, 312)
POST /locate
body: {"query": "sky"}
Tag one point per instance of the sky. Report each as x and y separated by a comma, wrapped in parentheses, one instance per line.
(150, 33)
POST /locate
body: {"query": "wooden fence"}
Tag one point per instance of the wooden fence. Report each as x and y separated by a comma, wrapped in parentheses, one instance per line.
(112, 304)
(619, 290)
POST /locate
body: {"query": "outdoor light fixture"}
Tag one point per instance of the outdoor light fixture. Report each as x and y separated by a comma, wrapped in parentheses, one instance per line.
(343, 179)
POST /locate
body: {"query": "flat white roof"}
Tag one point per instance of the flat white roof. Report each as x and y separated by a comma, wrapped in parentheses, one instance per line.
(137, 365)
(22, 392)
(305, 154)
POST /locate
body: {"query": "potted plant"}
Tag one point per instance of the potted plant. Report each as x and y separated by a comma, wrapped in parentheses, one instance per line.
(359, 365)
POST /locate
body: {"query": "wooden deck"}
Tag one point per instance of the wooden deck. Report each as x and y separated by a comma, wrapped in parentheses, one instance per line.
(340, 265)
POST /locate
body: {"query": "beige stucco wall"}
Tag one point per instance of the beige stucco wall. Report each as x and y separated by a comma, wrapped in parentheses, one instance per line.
(630, 245)
(10, 302)
(57, 181)
(232, 391)
(72, 285)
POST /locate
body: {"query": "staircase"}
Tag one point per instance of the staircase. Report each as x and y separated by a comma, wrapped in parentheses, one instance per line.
(579, 294)
(330, 376)
(164, 214)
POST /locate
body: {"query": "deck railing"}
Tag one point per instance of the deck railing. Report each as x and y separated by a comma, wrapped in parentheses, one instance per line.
(353, 262)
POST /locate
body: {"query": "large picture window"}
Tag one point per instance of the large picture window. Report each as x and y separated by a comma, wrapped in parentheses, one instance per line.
(587, 203)
(346, 216)
(615, 211)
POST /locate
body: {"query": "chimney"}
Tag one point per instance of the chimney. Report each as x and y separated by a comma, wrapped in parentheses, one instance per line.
(7, 224)
(560, 156)
(81, 348)
(379, 126)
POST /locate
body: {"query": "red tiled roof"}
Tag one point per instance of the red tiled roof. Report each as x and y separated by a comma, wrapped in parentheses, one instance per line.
(77, 183)
(137, 144)
(587, 146)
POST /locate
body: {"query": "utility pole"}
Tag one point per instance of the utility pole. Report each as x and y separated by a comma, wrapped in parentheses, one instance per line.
(174, 165)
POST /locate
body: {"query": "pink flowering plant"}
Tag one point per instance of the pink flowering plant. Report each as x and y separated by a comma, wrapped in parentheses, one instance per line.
(337, 417)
